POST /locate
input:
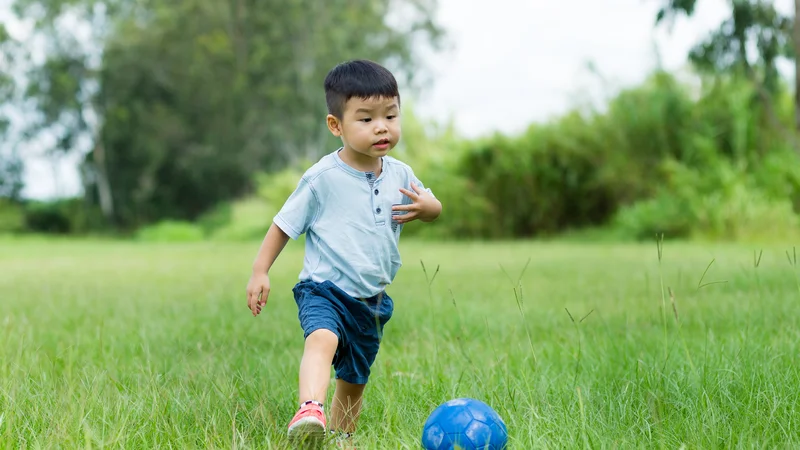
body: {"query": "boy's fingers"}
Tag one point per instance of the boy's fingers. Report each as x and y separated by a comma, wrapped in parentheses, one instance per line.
(406, 217)
(252, 302)
(402, 207)
(409, 194)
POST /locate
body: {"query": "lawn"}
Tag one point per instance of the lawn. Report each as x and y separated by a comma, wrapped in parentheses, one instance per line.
(128, 345)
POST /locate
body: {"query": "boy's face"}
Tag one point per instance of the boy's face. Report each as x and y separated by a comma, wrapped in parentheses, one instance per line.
(368, 127)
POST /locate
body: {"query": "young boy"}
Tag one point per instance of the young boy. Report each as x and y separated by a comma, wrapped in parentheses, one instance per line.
(352, 205)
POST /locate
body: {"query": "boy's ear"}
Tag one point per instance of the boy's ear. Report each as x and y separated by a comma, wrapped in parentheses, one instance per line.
(334, 125)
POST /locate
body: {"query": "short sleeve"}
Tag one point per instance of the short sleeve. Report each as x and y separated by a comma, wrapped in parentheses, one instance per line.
(417, 182)
(298, 213)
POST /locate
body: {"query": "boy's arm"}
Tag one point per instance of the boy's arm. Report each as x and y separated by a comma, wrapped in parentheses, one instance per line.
(271, 247)
(295, 218)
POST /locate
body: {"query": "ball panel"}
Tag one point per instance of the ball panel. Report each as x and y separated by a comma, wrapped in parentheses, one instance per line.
(458, 402)
(455, 420)
(462, 442)
(479, 433)
(432, 437)
(447, 443)
(499, 435)
(481, 411)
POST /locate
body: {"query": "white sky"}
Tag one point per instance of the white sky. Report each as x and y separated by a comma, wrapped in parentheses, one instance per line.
(514, 62)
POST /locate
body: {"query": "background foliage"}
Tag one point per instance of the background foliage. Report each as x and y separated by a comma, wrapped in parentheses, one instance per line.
(195, 119)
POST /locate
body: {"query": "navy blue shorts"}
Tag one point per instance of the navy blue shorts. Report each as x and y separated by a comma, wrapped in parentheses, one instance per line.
(358, 323)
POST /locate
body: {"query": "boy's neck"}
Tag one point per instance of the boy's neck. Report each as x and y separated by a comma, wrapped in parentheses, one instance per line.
(361, 162)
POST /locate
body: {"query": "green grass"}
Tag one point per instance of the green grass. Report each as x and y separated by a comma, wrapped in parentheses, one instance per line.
(123, 345)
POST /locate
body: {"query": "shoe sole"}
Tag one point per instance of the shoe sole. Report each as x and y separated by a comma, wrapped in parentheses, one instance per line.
(307, 430)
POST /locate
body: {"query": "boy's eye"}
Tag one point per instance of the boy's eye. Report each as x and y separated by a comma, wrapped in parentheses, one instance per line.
(390, 117)
(366, 119)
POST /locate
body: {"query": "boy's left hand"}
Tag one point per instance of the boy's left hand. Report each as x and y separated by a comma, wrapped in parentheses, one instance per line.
(425, 207)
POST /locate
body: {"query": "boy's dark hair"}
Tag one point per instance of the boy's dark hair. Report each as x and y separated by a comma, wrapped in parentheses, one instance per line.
(359, 78)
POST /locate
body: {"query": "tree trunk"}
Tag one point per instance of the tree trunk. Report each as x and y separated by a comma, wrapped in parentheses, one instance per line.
(103, 186)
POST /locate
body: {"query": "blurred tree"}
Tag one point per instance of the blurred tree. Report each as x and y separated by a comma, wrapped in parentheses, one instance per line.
(6, 83)
(182, 101)
(11, 176)
(11, 166)
(751, 41)
(796, 48)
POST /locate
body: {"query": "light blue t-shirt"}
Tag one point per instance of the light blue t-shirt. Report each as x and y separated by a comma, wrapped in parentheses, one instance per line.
(346, 215)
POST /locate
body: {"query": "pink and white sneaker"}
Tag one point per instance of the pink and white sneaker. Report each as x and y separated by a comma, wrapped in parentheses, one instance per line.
(308, 425)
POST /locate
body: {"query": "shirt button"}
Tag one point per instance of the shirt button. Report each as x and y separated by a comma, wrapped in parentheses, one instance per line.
(376, 192)
(378, 210)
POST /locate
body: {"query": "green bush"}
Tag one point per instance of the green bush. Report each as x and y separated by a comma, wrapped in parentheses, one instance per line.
(62, 216)
(779, 175)
(215, 219)
(546, 180)
(83, 217)
(46, 217)
(275, 188)
(664, 156)
(720, 202)
(171, 231)
(465, 212)
(12, 217)
(578, 170)
(250, 219)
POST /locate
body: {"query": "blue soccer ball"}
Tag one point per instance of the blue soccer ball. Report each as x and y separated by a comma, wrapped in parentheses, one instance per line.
(464, 423)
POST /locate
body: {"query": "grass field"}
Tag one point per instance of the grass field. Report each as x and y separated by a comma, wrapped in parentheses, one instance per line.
(123, 345)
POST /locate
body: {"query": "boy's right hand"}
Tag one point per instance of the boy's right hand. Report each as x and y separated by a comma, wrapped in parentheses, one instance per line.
(257, 286)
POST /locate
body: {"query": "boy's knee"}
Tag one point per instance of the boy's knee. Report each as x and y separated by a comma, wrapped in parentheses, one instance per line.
(323, 337)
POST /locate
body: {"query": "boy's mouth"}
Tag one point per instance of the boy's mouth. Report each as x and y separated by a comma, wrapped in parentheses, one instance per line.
(382, 144)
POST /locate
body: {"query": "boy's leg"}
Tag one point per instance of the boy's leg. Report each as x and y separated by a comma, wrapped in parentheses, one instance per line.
(346, 406)
(315, 372)
(364, 330)
(315, 367)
